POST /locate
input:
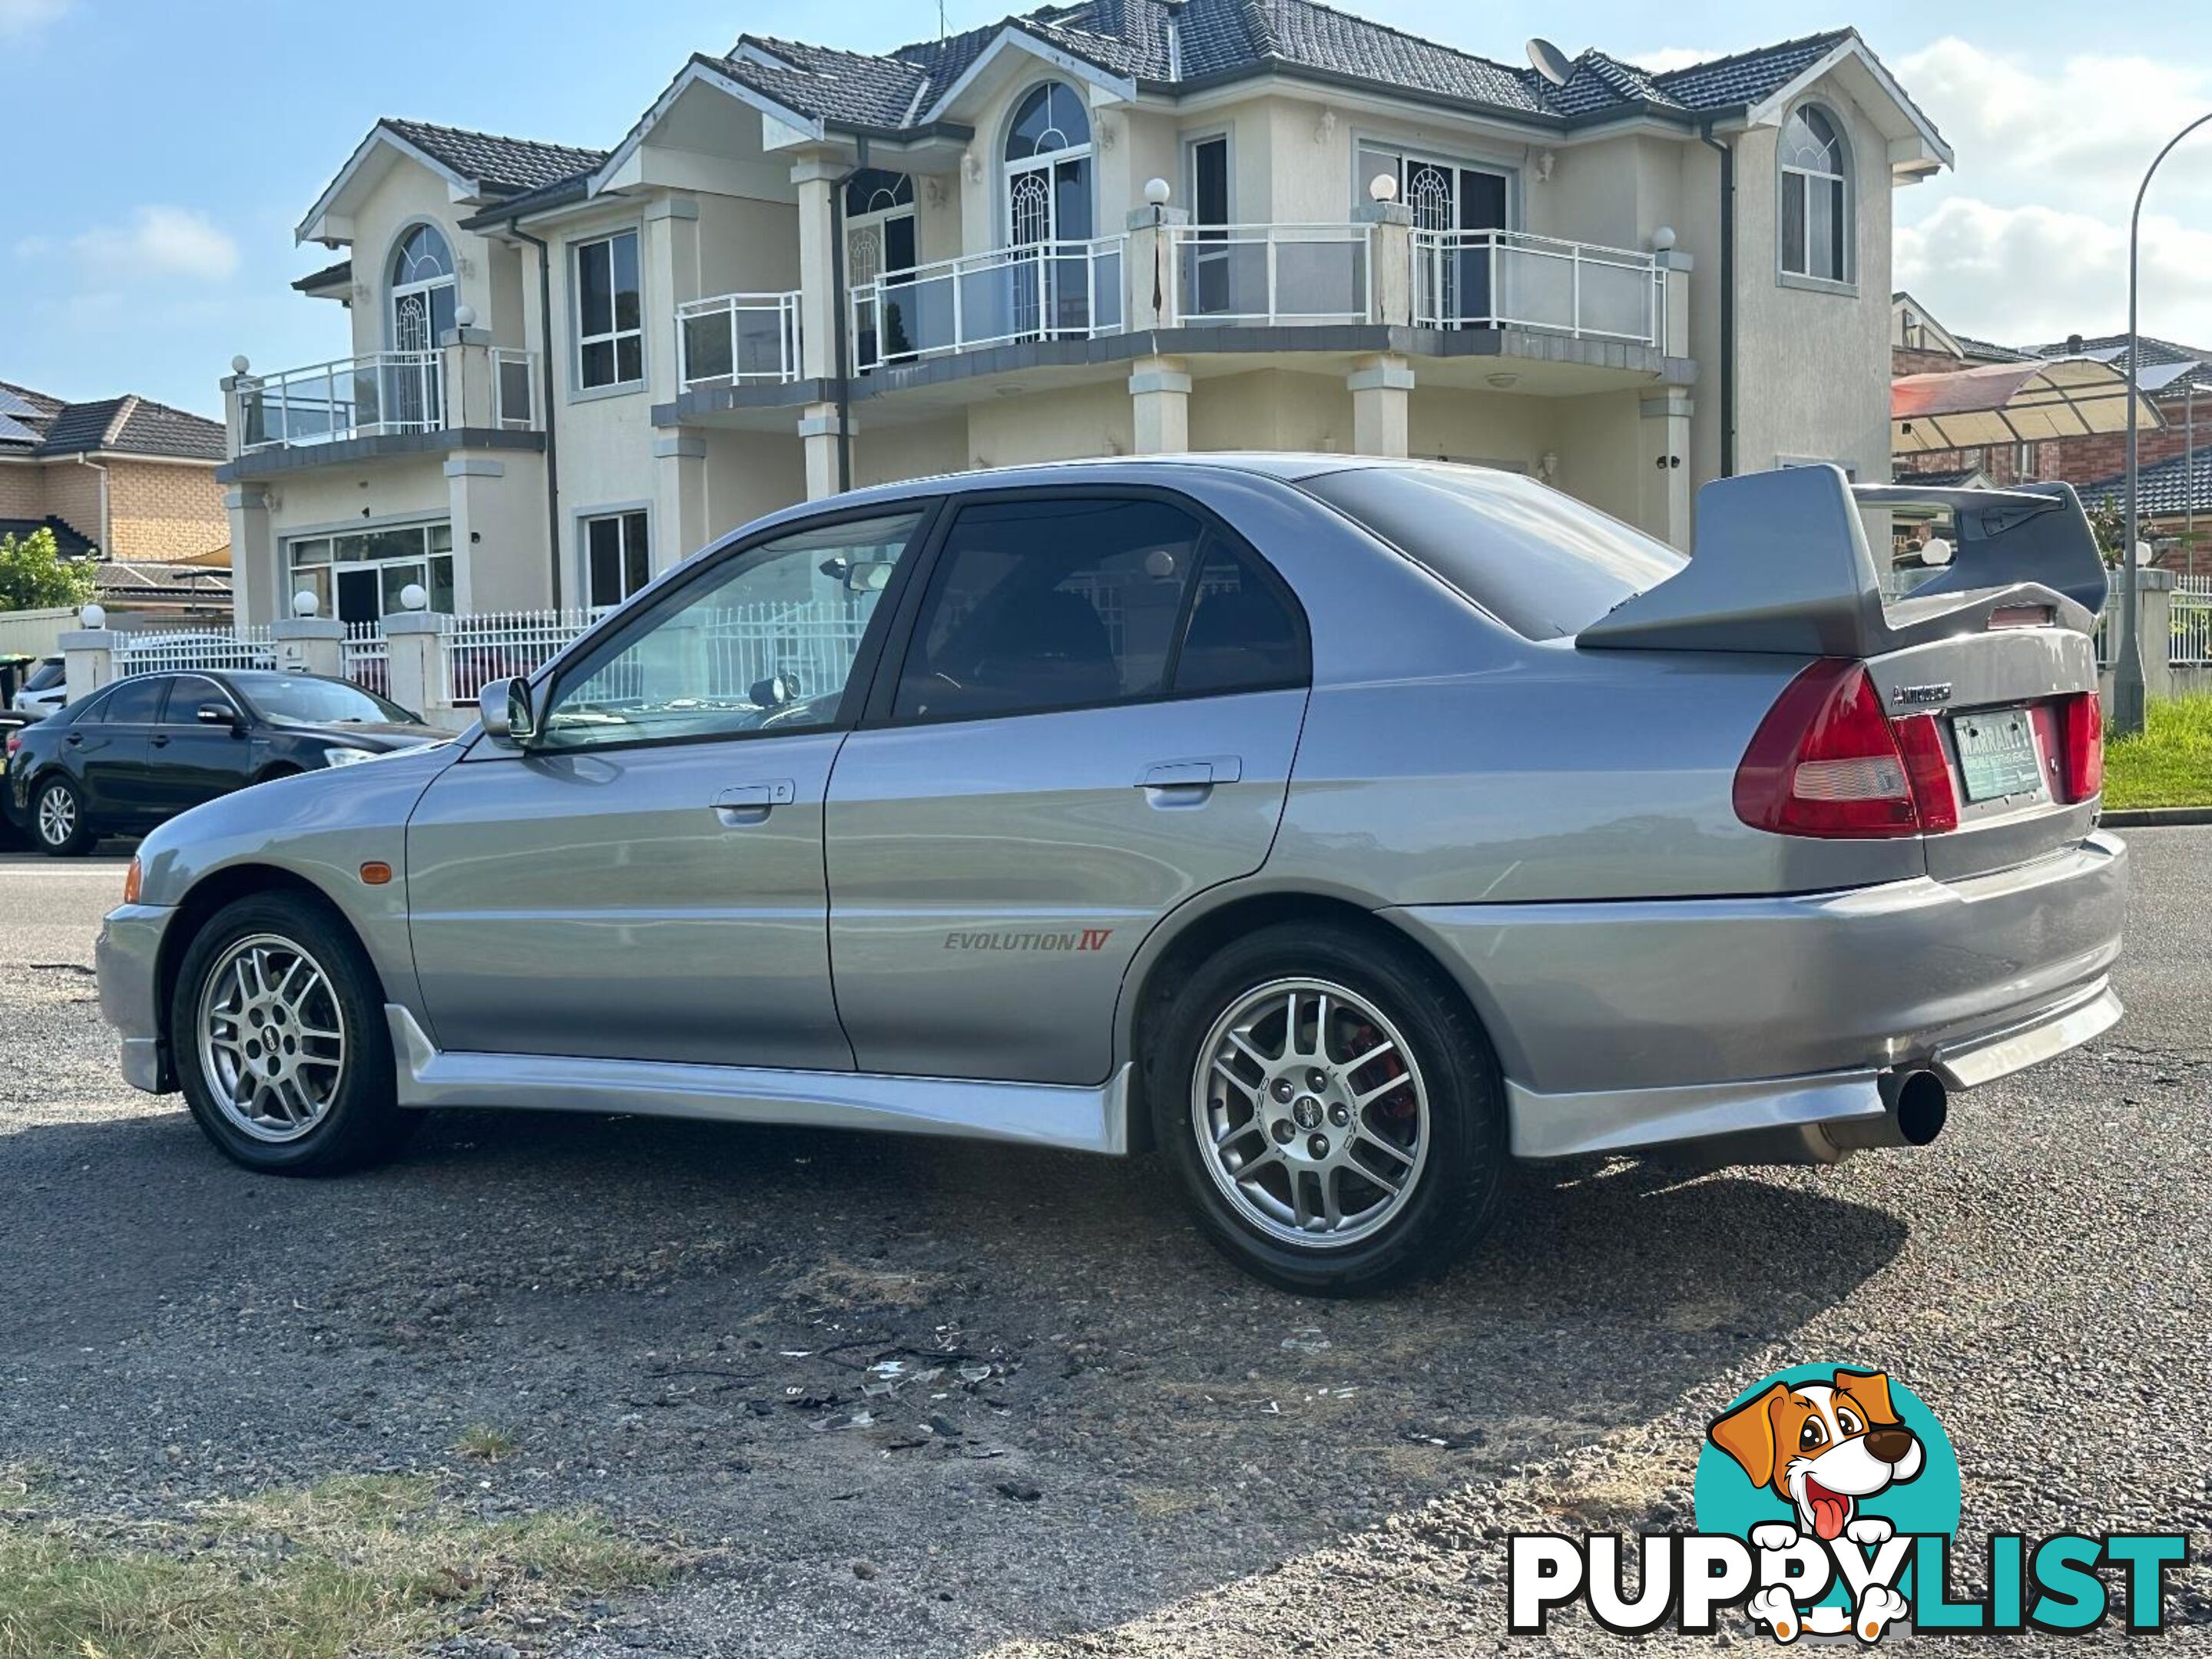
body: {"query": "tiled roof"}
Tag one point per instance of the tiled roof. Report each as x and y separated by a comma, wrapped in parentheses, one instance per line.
(2162, 488)
(66, 540)
(328, 276)
(2156, 354)
(502, 166)
(128, 425)
(142, 579)
(1225, 37)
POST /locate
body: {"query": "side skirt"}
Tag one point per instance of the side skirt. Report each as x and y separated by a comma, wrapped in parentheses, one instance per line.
(1033, 1114)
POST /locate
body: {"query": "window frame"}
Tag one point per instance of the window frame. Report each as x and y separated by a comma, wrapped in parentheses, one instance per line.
(223, 691)
(1785, 172)
(616, 513)
(675, 587)
(579, 389)
(162, 679)
(879, 714)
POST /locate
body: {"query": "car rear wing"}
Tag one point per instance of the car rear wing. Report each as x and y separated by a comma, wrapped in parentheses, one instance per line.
(1781, 564)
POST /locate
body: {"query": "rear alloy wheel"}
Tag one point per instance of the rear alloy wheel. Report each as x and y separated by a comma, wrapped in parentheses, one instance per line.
(1336, 1116)
(278, 1029)
(57, 819)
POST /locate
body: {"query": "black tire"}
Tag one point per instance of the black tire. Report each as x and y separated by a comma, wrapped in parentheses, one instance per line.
(56, 789)
(363, 1124)
(1454, 1196)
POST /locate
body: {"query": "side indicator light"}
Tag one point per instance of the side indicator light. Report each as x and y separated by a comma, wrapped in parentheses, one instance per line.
(131, 878)
(376, 872)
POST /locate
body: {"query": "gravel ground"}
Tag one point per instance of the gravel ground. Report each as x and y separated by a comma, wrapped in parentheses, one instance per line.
(1085, 1433)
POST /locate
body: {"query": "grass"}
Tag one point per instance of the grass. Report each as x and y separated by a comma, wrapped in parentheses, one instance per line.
(2169, 763)
(486, 1443)
(353, 1566)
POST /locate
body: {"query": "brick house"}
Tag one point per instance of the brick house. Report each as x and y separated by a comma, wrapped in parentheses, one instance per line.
(120, 477)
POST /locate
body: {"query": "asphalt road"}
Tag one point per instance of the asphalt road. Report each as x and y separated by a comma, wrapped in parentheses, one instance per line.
(1099, 1439)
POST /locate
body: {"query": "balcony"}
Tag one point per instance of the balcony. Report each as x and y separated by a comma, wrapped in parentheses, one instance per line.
(737, 339)
(1511, 279)
(1039, 291)
(385, 394)
(1272, 275)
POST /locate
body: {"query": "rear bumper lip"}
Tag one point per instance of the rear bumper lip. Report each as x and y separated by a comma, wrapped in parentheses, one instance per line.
(1632, 1023)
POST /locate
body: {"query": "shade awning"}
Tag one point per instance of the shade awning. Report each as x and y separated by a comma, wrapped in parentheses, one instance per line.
(2011, 403)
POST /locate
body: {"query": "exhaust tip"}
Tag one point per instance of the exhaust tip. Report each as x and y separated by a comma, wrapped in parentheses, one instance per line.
(1923, 1107)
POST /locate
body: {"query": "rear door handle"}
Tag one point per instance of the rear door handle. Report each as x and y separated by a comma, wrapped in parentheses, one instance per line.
(749, 803)
(160, 743)
(1187, 778)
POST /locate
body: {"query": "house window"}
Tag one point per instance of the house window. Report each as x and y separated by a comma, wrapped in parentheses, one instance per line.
(359, 576)
(610, 312)
(618, 557)
(881, 246)
(2023, 462)
(1816, 200)
(1047, 178)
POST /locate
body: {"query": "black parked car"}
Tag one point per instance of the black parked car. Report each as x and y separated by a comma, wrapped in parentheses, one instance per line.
(147, 747)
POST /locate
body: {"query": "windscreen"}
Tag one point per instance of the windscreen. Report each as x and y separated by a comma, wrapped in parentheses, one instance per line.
(299, 700)
(1540, 561)
(49, 673)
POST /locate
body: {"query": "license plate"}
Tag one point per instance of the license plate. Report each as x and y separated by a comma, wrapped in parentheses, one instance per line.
(1997, 754)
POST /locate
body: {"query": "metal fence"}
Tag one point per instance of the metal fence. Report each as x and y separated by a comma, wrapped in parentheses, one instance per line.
(2191, 644)
(366, 657)
(503, 644)
(168, 651)
(1511, 279)
(1273, 274)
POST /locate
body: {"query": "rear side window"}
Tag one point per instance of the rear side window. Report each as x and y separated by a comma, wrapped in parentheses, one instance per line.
(1538, 560)
(1244, 636)
(134, 703)
(48, 674)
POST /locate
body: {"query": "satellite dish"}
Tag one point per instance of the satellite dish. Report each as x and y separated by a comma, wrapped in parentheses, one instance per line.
(1551, 62)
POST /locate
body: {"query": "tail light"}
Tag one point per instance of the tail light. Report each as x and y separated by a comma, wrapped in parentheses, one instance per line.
(1828, 761)
(14, 742)
(2081, 746)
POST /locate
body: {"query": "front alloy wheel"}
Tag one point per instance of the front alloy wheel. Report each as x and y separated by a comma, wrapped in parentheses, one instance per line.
(272, 1040)
(1331, 1105)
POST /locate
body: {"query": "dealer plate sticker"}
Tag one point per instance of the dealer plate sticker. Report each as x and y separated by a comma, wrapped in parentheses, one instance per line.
(1997, 754)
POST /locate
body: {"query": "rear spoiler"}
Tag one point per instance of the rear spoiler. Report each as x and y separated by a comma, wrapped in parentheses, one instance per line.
(1781, 563)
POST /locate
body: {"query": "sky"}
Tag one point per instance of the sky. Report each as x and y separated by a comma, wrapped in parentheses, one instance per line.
(156, 154)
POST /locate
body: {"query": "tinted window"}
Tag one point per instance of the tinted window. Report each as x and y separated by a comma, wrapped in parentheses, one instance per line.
(186, 693)
(1243, 634)
(49, 673)
(1051, 603)
(1538, 560)
(136, 701)
(301, 700)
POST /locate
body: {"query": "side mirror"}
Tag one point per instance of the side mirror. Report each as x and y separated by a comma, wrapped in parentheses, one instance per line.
(217, 714)
(509, 716)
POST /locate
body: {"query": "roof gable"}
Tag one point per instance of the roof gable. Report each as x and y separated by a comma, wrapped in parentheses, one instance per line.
(475, 167)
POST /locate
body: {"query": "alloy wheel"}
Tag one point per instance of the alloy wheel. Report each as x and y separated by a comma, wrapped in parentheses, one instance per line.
(56, 816)
(1312, 1115)
(271, 1038)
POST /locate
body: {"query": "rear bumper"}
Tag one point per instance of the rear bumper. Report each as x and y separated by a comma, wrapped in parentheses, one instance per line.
(1626, 1025)
(127, 959)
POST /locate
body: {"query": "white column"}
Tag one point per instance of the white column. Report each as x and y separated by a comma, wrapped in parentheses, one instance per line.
(818, 437)
(679, 494)
(1390, 262)
(255, 579)
(1664, 457)
(671, 267)
(1674, 267)
(1382, 388)
(1149, 267)
(310, 645)
(89, 654)
(821, 307)
(416, 641)
(1159, 395)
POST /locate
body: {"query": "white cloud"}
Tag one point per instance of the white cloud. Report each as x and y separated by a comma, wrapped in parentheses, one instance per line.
(157, 242)
(2030, 274)
(22, 17)
(1660, 59)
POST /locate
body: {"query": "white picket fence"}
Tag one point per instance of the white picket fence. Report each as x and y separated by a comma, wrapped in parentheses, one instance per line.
(366, 657)
(2192, 645)
(503, 645)
(159, 651)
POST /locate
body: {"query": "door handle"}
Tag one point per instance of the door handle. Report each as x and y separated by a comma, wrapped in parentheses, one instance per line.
(749, 803)
(160, 743)
(76, 740)
(1188, 782)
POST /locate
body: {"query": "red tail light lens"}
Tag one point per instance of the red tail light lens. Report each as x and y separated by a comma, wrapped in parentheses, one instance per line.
(2081, 746)
(1828, 761)
(14, 742)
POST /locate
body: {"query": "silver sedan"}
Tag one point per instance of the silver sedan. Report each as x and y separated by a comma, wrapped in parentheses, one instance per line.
(1340, 829)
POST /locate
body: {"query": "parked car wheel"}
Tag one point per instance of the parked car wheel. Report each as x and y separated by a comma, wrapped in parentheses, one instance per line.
(58, 821)
(1332, 1108)
(280, 1043)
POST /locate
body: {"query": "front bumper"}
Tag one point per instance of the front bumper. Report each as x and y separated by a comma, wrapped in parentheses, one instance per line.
(128, 960)
(1630, 1024)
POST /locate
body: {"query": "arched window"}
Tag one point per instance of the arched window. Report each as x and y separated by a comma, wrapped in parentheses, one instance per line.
(422, 289)
(1050, 120)
(1817, 218)
(1049, 168)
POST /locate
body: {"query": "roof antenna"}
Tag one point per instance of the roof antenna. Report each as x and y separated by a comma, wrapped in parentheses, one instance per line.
(941, 29)
(1551, 62)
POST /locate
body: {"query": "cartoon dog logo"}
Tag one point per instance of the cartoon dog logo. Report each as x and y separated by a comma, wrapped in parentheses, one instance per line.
(1821, 1447)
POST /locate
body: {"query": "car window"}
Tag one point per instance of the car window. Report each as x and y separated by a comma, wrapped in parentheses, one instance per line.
(186, 693)
(136, 701)
(1056, 603)
(304, 700)
(1243, 633)
(1535, 558)
(765, 642)
(52, 671)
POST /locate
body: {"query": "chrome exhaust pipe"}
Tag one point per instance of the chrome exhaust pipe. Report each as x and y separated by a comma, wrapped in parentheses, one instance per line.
(1914, 1107)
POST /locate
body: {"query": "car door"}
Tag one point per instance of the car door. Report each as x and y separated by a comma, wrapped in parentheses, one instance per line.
(108, 753)
(644, 881)
(1094, 718)
(188, 761)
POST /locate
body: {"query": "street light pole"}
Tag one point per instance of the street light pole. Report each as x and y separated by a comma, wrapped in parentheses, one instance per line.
(2128, 672)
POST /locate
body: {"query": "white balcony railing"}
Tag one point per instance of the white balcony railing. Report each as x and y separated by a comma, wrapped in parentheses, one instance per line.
(1511, 279)
(385, 394)
(1039, 291)
(733, 339)
(1263, 274)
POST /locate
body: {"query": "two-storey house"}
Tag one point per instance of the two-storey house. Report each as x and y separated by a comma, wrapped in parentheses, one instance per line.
(1118, 226)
